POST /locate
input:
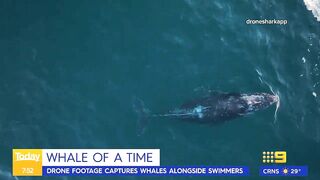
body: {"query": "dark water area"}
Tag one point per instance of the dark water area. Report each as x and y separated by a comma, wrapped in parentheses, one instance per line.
(70, 69)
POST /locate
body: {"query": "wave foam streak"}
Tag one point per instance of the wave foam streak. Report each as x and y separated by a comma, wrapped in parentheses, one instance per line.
(314, 7)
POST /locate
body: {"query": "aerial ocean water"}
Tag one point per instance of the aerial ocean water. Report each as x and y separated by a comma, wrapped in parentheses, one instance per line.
(69, 71)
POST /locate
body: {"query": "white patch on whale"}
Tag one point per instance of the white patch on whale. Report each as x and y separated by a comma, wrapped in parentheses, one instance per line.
(199, 110)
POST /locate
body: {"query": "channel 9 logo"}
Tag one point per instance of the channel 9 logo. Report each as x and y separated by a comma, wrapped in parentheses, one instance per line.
(274, 157)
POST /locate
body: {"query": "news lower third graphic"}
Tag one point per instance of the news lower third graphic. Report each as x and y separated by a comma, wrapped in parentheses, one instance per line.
(107, 162)
(280, 157)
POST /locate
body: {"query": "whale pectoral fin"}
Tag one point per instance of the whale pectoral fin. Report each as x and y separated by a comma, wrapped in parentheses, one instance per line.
(143, 115)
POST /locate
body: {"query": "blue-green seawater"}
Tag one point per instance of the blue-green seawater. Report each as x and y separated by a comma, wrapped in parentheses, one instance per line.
(70, 69)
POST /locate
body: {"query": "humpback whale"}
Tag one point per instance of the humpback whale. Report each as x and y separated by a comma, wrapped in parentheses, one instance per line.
(215, 108)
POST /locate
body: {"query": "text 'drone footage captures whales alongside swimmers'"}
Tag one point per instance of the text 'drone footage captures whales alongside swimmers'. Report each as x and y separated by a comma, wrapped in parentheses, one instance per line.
(215, 108)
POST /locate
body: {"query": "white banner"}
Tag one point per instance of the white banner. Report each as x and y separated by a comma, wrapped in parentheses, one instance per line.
(101, 157)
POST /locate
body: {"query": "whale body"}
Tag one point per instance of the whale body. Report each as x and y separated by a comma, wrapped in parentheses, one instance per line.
(215, 108)
(223, 106)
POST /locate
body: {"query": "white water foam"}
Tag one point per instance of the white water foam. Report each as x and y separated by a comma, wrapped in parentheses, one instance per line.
(277, 94)
(314, 7)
